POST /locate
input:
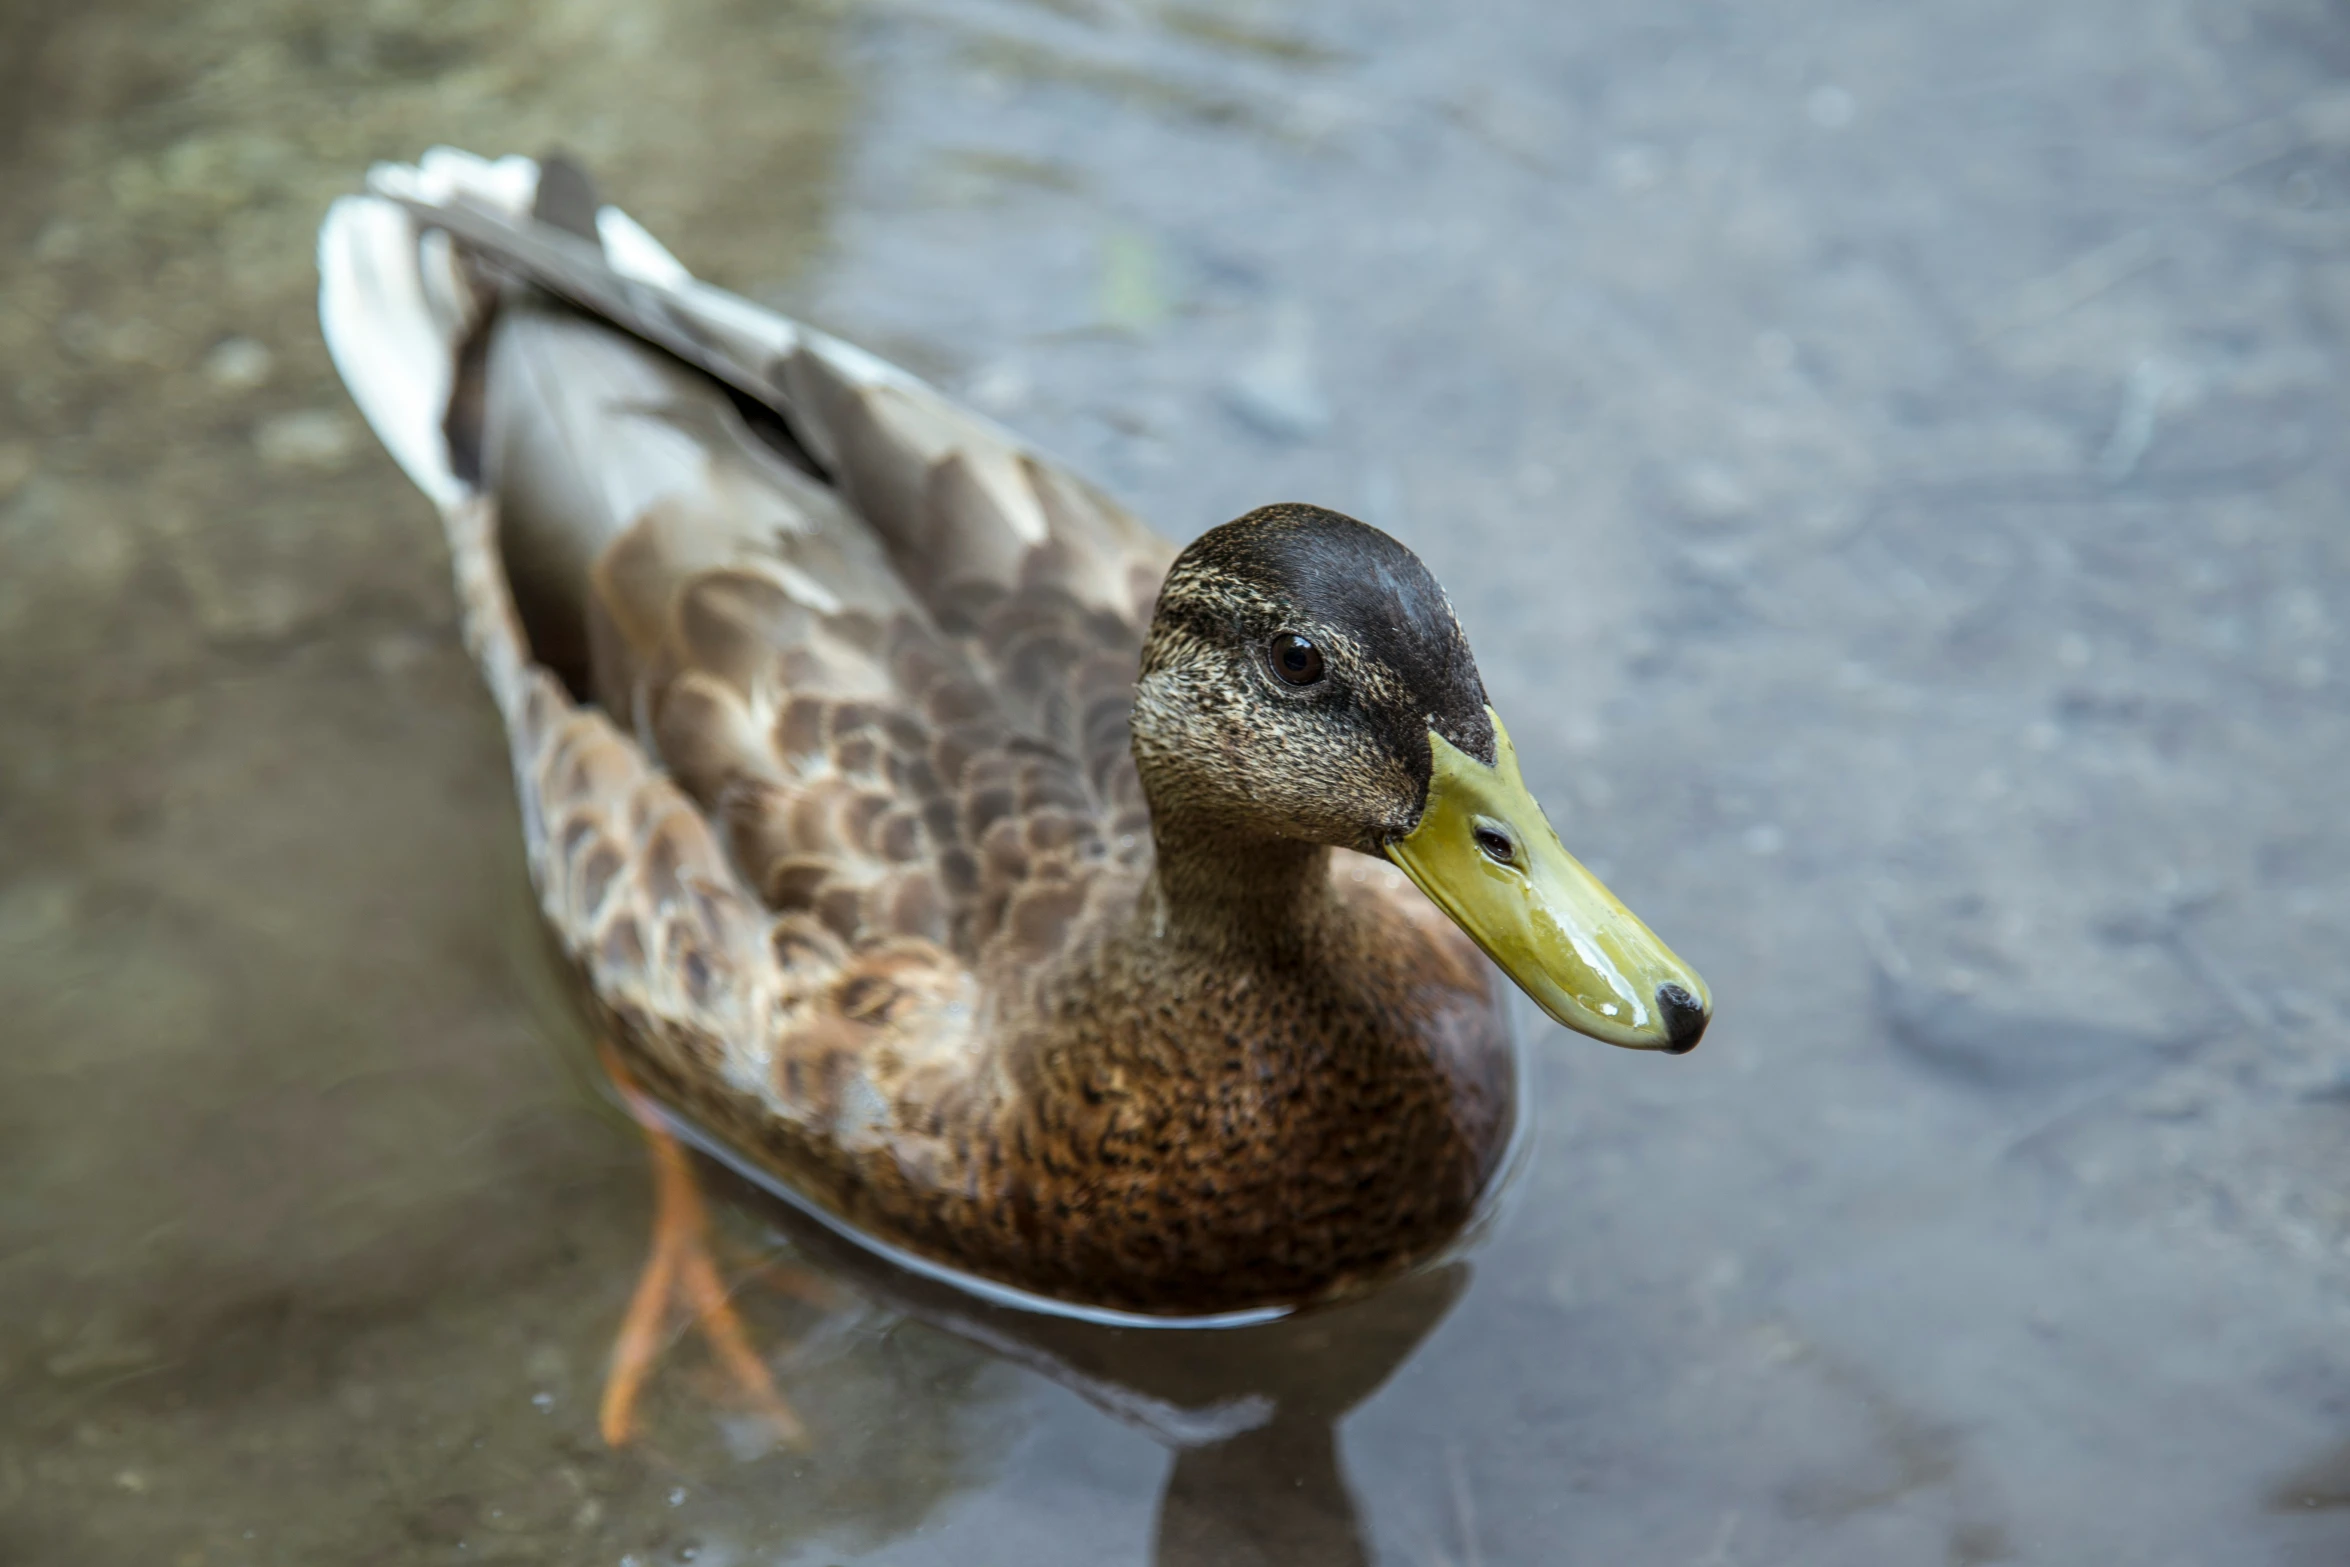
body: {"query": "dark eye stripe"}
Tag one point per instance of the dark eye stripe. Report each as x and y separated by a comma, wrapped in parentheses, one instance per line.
(1295, 659)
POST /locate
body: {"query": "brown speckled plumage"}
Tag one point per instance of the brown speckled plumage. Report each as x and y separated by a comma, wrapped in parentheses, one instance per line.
(840, 790)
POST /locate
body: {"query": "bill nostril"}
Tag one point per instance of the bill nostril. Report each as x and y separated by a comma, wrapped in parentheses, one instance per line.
(1497, 846)
(1684, 1015)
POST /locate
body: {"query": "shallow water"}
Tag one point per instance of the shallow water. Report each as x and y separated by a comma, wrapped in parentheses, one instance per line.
(1885, 458)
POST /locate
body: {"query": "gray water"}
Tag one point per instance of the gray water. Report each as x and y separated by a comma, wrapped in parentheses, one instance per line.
(1885, 457)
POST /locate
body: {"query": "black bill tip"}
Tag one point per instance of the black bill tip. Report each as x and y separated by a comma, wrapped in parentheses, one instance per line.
(1685, 1018)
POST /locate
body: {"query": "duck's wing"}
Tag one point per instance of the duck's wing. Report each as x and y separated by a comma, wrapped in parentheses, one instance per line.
(1043, 584)
(816, 684)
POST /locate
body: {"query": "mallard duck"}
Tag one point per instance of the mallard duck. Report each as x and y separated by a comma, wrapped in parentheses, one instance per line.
(1037, 901)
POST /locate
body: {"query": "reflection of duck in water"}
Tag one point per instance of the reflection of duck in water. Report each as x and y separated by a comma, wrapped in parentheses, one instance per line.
(1249, 1412)
(886, 870)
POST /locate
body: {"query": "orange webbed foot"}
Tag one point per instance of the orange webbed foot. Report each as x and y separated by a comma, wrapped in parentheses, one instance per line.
(680, 1273)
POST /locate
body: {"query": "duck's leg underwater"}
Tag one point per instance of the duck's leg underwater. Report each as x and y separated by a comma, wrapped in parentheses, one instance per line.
(680, 1271)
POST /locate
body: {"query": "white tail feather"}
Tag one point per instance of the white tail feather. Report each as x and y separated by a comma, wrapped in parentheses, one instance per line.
(637, 254)
(395, 351)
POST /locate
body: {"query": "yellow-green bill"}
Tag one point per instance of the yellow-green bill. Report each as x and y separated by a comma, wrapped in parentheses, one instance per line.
(1489, 858)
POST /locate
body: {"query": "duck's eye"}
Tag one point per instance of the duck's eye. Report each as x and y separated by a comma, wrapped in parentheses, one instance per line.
(1296, 660)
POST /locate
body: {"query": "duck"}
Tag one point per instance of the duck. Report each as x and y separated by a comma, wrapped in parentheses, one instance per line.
(1111, 926)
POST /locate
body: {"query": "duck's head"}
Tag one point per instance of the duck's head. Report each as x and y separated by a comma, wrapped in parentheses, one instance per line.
(1304, 679)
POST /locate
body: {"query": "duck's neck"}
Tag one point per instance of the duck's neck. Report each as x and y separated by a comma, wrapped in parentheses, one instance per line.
(1223, 892)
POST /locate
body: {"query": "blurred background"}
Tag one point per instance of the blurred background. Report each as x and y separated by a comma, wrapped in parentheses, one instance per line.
(1887, 459)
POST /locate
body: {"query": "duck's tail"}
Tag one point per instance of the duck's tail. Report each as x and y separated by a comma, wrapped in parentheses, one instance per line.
(398, 308)
(484, 389)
